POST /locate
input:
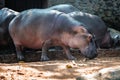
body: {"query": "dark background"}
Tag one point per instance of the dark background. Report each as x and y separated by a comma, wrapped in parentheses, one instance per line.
(20, 5)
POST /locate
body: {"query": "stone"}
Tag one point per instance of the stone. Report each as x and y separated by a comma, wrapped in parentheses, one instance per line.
(94, 76)
(112, 73)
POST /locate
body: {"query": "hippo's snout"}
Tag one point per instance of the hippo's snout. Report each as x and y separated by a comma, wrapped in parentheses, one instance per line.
(90, 54)
(90, 51)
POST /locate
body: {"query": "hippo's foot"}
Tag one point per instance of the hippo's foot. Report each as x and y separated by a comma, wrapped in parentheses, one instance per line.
(20, 58)
(70, 57)
(44, 58)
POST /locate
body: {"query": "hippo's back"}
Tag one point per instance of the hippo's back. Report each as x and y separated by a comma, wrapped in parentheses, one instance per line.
(66, 8)
(33, 26)
(34, 19)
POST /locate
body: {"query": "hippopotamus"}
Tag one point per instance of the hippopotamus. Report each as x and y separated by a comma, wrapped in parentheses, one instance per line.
(94, 24)
(6, 15)
(66, 8)
(36, 28)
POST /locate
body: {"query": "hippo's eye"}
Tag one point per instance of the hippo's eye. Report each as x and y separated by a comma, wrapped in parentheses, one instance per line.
(75, 32)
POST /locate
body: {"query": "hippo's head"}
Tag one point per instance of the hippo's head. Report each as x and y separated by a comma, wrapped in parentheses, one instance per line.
(90, 50)
(85, 42)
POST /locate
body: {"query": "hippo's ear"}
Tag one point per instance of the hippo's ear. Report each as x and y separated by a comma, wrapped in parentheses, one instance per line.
(89, 37)
(82, 29)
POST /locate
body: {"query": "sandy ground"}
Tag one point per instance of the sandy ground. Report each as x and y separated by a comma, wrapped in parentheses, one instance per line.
(57, 69)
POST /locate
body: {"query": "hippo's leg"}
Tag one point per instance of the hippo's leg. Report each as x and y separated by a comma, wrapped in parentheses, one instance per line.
(20, 56)
(45, 50)
(67, 51)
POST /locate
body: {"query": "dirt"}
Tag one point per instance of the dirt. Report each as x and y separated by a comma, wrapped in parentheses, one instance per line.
(59, 67)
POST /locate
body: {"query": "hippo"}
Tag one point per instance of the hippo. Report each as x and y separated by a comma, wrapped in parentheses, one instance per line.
(36, 28)
(6, 15)
(66, 8)
(94, 24)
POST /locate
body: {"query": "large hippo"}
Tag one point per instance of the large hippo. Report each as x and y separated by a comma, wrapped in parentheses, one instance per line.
(66, 8)
(6, 15)
(93, 23)
(96, 26)
(37, 28)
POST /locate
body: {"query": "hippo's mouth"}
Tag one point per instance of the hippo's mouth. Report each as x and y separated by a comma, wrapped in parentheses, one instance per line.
(89, 51)
(89, 54)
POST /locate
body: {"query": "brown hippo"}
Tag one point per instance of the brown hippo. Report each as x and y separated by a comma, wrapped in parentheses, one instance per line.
(36, 28)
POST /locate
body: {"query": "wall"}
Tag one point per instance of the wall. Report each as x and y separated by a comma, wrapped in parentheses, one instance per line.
(108, 10)
(19, 5)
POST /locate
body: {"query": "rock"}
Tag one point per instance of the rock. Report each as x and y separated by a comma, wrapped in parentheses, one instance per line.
(112, 73)
(114, 32)
(94, 76)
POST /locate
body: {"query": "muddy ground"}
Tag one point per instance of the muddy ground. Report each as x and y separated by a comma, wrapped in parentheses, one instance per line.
(59, 67)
